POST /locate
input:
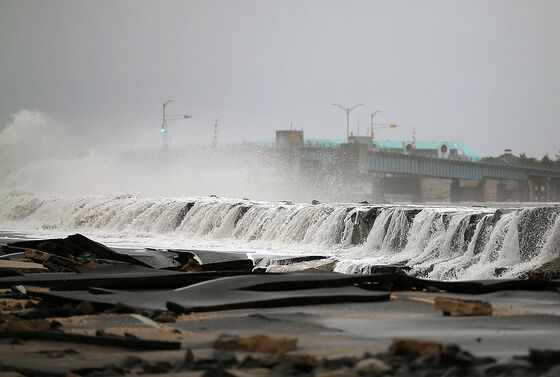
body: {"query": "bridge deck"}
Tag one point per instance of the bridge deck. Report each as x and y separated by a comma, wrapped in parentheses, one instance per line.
(396, 163)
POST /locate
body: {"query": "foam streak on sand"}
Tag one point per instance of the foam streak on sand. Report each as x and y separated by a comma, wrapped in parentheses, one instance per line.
(435, 242)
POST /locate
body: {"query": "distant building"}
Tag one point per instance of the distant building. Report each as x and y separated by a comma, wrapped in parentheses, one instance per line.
(436, 149)
(506, 158)
(289, 138)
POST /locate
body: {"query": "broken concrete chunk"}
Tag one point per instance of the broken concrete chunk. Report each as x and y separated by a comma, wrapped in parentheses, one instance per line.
(256, 343)
(460, 307)
(320, 265)
(415, 346)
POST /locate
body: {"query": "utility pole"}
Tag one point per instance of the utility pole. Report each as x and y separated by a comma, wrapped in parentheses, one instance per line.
(167, 117)
(215, 138)
(348, 110)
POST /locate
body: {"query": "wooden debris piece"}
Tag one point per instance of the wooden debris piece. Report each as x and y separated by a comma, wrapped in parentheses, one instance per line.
(256, 343)
(22, 266)
(459, 307)
(28, 325)
(415, 346)
(100, 339)
(41, 257)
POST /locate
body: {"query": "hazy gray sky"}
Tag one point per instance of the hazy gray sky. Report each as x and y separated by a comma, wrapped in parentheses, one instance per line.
(484, 72)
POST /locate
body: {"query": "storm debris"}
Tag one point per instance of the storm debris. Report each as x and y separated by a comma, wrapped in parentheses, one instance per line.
(257, 343)
(416, 347)
(460, 307)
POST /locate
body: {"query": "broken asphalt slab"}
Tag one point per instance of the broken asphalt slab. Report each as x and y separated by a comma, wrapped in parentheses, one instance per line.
(249, 291)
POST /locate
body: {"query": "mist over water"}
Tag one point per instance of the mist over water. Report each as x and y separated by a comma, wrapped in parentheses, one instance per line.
(41, 155)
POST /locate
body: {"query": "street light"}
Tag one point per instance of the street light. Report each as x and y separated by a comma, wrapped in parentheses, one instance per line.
(348, 110)
(376, 126)
(373, 116)
(167, 117)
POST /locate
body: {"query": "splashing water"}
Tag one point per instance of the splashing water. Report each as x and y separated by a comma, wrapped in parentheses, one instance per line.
(438, 243)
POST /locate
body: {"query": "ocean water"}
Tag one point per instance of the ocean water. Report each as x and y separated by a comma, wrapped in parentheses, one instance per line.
(434, 241)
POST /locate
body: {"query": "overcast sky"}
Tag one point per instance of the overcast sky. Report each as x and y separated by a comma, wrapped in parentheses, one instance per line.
(483, 72)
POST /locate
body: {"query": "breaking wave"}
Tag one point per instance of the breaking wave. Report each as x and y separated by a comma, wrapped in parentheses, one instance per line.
(453, 243)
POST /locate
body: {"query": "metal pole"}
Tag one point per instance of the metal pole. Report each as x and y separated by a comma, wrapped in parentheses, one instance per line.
(347, 124)
(163, 129)
(348, 110)
(372, 116)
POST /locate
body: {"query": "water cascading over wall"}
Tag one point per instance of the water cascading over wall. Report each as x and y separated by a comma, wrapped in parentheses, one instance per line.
(437, 243)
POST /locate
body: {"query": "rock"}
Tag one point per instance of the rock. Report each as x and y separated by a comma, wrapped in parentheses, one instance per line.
(256, 343)
(453, 355)
(363, 222)
(372, 365)
(459, 307)
(164, 317)
(342, 372)
(544, 357)
(315, 202)
(341, 362)
(547, 271)
(303, 362)
(415, 346)
(84, 308)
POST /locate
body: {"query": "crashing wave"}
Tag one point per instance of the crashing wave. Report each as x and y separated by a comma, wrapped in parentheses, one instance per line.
(432, 242)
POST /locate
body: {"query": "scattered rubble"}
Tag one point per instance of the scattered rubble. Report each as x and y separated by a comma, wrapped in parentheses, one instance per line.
(416, 347)
(258, 343)
(460, 307)
(95, 279)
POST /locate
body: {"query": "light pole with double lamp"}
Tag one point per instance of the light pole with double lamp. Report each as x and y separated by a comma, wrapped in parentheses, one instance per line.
(347, 110)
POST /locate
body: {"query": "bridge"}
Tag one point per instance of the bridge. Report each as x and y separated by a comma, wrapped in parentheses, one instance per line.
(432, 179)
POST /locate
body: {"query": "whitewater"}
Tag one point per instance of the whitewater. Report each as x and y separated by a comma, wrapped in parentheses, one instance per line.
(435, 242)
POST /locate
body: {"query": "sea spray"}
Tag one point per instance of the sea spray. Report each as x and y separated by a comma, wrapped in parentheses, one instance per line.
(433, 242)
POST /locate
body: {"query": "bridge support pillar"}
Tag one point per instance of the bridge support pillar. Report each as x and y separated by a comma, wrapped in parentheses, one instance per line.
(468, 190)
(524, 191)
(501, 194)
(455, 191)
(397, 188)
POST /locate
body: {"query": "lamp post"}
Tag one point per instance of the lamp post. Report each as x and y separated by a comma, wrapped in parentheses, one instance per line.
(373, 116)
(376, 126)
(348, 110)
(166, 117)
